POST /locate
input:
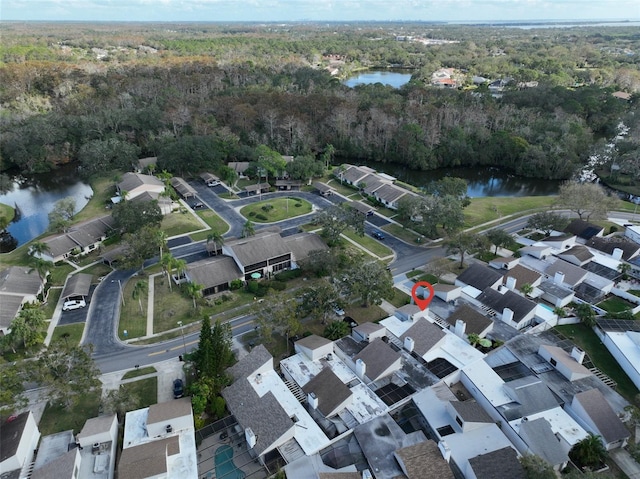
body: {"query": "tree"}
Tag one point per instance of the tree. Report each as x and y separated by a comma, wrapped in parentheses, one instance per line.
(248, 229)
(180, 266)
(327, 155)
(194, 290)
(140, 246)
(498, 238)
(547, 221)
(336, 330)
(526, 289)
(166, 261)
(589, 452)
(324, 262)
(269, 161)
(336, 219)
(278, 314)
(28, 327)
(67, 374)
(624, 269)
(130, 217)
(451, 186)
(120, 401)
(62, 213)
(585, 199)
(320, 300)
(465, 243)
(305, 168)
(38, 249)
(438, 267)
(12, 390)
(537, 468)
(140, 287)
(41, 266)
(370, 281)
(217, 239)
(586, 314)
(212, 357)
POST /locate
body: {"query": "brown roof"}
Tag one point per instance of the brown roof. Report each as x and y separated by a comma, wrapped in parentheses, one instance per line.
(166, 411)
(147, 460)
(12, 430)
(313, 341)
(57, 468)
(610, 427)
(213, 272)
(425, 334)
(498, 464)
(258, 248)
(368, 328)
(329, 389)
(378, 356)
(561, 356)
(206, 176)
(523, 275)
(471, 411)
(97, 425)
(580, 252)
(476, 322)
(424, 461)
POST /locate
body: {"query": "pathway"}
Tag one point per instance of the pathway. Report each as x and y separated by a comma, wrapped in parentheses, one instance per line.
(625, 462)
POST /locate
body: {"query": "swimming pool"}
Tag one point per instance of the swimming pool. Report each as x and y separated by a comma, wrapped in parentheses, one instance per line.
(225, 468)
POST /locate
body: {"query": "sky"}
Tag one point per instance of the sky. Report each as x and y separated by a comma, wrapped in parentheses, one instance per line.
(318, 10)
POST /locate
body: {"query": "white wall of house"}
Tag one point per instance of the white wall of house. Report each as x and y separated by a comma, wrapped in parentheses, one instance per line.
(180, 423)
(629, 368)
(103, 436)
(577, 412)
(24, 452)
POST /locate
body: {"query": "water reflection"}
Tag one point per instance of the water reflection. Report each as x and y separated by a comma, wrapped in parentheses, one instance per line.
(387, 77)
(34, 198)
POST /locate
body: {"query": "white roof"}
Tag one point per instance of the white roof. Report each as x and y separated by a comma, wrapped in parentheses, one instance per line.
(488, 383)
(308, 434)
(483, 440)
(455, 350)
(396, 326)
(604, 259)
(628, 343)
(561, 424)
(302, 368)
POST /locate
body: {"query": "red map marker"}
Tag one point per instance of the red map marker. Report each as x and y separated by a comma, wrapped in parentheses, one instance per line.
(422, 303)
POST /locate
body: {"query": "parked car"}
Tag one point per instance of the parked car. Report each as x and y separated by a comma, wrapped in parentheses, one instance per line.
(197, 205)
(377, 235)
(214, 183)
(350, 321)
(178, 388)
(339, 311)
(73, 303)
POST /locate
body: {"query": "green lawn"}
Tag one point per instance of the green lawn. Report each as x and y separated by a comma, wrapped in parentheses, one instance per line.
(57, 419)
(402, 233)
(369, 243)
(73, 330)
(134, 373)
(6, 211)
(615, 305)
(214, 221)
(145, 389)
(178, 223)
(98, 271)
(58, 275)
(635, 292)
(52, 300)
(483, 210)
(365, 315)
(344, 189)
(399, 299)
(103, 187)
(589, 342)
(280, 209)
(131, 318)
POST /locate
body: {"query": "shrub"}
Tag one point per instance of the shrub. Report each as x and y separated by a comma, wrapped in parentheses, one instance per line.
(253, 287)
(252, 213)
(235, 284)
(268, 207)
(613, 229)
(261, 217)
(288, 275)
(298, 205)
(277, 285)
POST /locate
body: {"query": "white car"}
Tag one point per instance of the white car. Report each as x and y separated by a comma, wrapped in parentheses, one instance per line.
(338, 311)
(214, 183)
(73, 304)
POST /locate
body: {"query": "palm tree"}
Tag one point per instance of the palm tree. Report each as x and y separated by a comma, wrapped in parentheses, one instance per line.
(560, 312)
(38, 248)
(167, 260)
(624, 268)
(526, 289)
(162, 241)
(138, 289)
(474, 339)
(180, 266)
(217, 239)
(586, 314)
(41, 266)
(590, 452)
(193, 290)
(248, 229)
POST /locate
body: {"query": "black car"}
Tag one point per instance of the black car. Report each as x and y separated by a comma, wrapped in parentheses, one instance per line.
(178, 388)
(197, 205)
(377, 235)
(350, 321)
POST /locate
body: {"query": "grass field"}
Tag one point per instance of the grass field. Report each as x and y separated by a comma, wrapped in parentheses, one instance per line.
(589, 342)
(131, 318)
(402, 233)
(399, 299)
(178, 223)
(146, 390)
(214, 221)
(134, 373)
(73, 330)
(103, 189)
(281, 209)
(483, 210)
(52, 300)
(57, 419)
(369, 243)
(615, 305)
(6, 211)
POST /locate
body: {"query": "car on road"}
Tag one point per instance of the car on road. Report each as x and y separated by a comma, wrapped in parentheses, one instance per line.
(178, 389)
(377, 235)
(213, 183)
(197, 205)
(73, 303)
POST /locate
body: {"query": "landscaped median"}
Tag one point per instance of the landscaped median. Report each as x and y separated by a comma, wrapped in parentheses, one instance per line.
(369, 244)
(276, 209)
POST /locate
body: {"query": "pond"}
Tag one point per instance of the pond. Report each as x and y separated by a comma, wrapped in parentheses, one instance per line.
(34, 198)
(394, 78)
(481, 181)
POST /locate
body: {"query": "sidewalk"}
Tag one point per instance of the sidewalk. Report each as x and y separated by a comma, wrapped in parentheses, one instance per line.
(625, 462)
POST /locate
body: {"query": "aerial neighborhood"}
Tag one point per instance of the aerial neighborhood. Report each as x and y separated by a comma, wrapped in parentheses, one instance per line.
(221, 262)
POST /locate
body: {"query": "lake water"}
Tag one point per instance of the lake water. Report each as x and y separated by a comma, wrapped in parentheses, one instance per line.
(481, 181)
(35, 197)
(387, 77)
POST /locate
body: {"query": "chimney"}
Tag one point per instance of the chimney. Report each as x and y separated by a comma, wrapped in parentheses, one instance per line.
(258, 378)
(250, 437)
(312, 399)
(460, 328)
(559, 278)
(617, 253)
(444, 450)
(507, 315)
(511, 283)
(577, 354)
(409, 344)
(169, 428)
(361, 368)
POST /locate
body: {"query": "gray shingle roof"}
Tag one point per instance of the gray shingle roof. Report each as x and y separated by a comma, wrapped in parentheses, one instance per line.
(182, 187)
(302, 244)
(425, 335)
(479, 276)
(360, 206)
(260, 247)
(77, 285)
(213, 272)
(424, 461)
(579, 252)
(313, 342)
(96, 425)
(471, 411)
(607, 245)
(19, 280)
(10, 305)
(520, 305)
(257, 357)
(131, 181)
(329, 389)
(390, 193)
(610, 427)
(321, 187)
(59, 467)
(583, 229)
(523, 275)
(353, 174)
(12, 431)
(540, 438)
(531, 394)
(378, 357)
(499, 464)
(476, 322)
(148, 459)
(238, 166)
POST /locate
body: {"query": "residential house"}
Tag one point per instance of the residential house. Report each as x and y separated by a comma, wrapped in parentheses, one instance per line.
(465, 320)
(536, 251)
(82, 238)
(302, 245)
(361, 207)
(496, 465)
(509, 307)
(159, 442)
(18, 286)
(624, 346)
(323, 189)
(134, 184)
(504, 263)
(569, 365)
(327, 393)
(183, 188)
(447, 292)
(578, 255)
(314, 347)
(516, 277)
(264, 254)
(618, 247)
(58, 457)
(479, 277)
(164, 202)
(376, 360)
(633, 233)
(389, 195)
(352, 175)
(556, 293)
(566, 274)
(595, 414)
(239, 167)
(560, 242)
(214, 274)
(583, 229)
(410, 312)
(368, 332)
(423, 459)
(143, 165)
(444, 78)
(18, 441)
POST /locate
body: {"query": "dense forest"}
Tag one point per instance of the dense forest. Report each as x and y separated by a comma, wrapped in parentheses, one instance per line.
(198, 96)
